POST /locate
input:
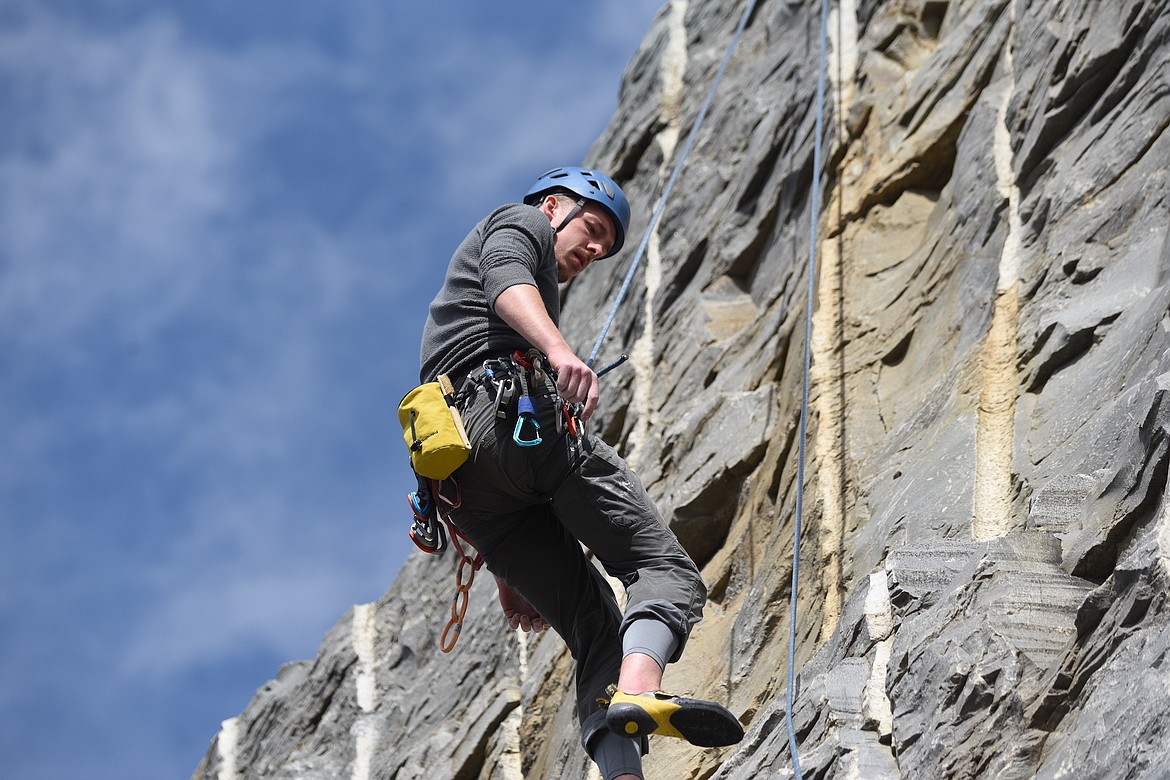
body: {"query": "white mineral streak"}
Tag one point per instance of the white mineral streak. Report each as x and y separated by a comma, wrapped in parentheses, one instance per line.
(879, 622)
(364, 634)
(997, 401)
(827, 339)
(879, 612)
(511, 765)
(226, 746)
(876, 704)
(674, 64)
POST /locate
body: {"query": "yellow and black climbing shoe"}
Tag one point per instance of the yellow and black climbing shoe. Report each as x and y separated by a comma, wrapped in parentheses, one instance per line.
(702, 723)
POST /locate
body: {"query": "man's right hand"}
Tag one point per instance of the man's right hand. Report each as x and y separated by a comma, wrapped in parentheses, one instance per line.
(522, 308)
(576, 381)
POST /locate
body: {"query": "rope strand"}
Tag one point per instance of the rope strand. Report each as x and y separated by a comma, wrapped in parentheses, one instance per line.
(670, 184)
(814, 210)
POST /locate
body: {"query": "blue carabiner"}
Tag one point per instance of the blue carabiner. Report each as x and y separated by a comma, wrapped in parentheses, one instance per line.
(526, 411)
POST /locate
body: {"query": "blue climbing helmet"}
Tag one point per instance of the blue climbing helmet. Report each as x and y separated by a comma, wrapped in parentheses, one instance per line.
(591, 185)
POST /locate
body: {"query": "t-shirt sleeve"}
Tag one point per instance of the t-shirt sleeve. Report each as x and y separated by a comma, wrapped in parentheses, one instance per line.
(515, 239)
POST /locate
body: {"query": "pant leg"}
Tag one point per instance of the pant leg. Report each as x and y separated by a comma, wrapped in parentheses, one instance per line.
(605, 506)
(507, 517)
(598, 501)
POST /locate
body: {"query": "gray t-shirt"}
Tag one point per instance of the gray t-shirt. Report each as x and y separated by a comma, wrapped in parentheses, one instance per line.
(512, 245)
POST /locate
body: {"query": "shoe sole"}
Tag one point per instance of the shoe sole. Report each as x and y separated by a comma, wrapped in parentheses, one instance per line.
(701, 723)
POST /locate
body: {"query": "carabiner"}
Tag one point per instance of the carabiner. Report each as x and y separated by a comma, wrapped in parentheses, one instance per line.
(426, 531)
(572, 417)
(526, 411)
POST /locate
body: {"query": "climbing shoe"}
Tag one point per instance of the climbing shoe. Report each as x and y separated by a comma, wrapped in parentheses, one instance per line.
(702, 723)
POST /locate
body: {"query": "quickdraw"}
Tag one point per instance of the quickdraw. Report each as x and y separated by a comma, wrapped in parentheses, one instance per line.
(525, 409)
(497, 375)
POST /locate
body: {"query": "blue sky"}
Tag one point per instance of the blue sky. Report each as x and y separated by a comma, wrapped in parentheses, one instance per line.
(220, 225)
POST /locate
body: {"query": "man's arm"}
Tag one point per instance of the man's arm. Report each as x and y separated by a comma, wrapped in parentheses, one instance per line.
(522, 308)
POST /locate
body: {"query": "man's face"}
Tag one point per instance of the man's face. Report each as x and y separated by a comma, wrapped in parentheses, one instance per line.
(587, 237)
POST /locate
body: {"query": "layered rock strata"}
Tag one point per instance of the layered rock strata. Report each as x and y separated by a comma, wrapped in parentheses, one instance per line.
(985, 548)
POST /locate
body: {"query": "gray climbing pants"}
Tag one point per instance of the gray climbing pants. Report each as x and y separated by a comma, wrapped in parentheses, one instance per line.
(528, 510)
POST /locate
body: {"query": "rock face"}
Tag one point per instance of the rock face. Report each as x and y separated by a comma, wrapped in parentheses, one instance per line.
(985, 545)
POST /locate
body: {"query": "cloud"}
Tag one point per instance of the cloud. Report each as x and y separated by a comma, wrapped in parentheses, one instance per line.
(228, 607)
(128, 164)
(134, 156)
(182, 345)
(486, 132)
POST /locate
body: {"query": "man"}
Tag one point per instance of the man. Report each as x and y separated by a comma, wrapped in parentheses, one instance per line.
(535, 488)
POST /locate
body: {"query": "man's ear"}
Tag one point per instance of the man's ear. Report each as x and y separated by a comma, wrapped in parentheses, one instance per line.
(549, 206)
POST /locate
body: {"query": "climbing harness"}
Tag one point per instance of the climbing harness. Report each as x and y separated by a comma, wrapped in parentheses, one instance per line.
(508, 381)
(511, 379)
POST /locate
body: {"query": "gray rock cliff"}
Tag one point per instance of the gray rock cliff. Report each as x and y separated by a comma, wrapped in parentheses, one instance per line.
(985, 550)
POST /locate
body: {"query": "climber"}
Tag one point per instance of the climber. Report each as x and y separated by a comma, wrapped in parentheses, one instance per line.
(537, 486)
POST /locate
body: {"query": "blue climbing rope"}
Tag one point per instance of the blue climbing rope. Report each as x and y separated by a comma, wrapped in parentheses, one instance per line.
(814, 210)
(670, 184)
